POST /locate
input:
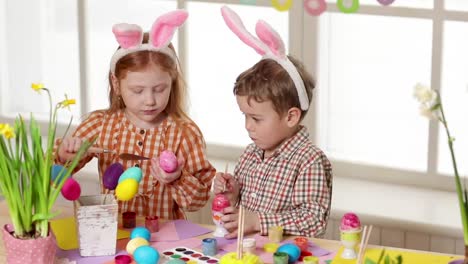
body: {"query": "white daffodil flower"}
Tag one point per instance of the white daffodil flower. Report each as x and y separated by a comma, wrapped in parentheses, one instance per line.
(426, 111)
(424, 94)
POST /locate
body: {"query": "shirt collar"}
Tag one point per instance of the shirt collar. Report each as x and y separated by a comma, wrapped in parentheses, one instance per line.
(287, 148)
(168, 121)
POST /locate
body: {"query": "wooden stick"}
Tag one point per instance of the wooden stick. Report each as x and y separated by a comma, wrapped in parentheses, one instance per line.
(365, 243)
(98, 150)
(225, 172)
(361, 246)
(240, 232)
(105, 196)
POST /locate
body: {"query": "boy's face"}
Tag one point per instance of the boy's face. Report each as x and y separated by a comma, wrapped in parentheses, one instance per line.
(265, 126)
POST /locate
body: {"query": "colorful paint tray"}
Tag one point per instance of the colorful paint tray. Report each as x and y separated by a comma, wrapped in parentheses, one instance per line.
(187, 254)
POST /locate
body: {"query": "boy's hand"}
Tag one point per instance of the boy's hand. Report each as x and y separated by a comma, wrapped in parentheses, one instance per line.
(68, 148)
(225, 183)
(231, 217)
(166, 177)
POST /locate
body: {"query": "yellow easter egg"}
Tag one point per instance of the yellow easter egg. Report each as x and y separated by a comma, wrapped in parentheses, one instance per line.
(135, 243)
(126, 189)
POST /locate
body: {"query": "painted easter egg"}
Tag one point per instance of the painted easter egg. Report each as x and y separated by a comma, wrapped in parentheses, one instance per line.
(112, 175)
(136, 243)
(283, 5)
(55, 171)
(385, 2)
(315, 7)
(292, 250)
(168, 161)
(347, 8)
(126, 189)
(142, 232)
(131, 173)
(146, 255)
(71, 189)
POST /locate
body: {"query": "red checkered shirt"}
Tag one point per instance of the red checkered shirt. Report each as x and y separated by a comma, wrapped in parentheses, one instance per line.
(292, 188)
(188, 193)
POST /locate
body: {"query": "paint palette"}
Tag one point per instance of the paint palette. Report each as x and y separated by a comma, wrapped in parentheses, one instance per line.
(187, 254)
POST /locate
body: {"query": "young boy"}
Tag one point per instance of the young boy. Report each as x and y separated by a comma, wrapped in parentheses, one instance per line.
(281, 179)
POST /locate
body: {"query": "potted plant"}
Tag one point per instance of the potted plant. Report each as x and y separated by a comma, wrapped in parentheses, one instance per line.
(431, 107)
(27, 186)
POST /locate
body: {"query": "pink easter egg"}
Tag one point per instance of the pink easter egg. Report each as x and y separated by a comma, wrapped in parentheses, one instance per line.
(220, 201)
(315, 7)
(168, 161)
(71, 189)
(350, 221)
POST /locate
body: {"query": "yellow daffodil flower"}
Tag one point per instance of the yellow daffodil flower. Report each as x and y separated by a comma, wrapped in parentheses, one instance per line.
(37, 86)
(67, 102)
(7, 131)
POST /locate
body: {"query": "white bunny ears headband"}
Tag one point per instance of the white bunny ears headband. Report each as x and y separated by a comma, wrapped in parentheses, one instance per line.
(130, 36)
(269, 45)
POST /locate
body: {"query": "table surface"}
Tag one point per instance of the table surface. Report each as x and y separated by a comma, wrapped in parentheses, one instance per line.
(67, 211)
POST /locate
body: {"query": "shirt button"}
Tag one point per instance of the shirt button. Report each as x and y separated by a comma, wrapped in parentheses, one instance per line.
(137, 165)
(253, 195)
(142, 131)
(140, 143)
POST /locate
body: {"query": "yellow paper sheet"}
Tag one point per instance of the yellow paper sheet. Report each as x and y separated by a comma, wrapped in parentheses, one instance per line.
(408, 257)
(65, 232)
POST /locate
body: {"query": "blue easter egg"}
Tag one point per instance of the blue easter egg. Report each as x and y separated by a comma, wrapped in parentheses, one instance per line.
(55, 171)
(292, 250)
(131, 173)
(146, 255)
(142, 232)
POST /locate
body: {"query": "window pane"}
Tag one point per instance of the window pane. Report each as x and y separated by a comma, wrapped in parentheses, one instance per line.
(41, 46)
(455, 96)
(457, 5)
(215, 58)
(101, 41)
(366, 79)
(397, 3)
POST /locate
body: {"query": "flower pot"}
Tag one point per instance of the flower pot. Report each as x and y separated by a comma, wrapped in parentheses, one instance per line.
(18, 251)
(97, 219)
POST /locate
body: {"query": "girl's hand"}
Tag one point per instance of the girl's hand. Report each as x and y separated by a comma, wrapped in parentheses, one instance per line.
(225, 183)
(165, 177)
(68, 148)
(230, 221)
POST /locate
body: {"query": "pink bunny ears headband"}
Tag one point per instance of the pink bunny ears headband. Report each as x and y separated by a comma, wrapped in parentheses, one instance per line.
(269, 45)
(130, 36)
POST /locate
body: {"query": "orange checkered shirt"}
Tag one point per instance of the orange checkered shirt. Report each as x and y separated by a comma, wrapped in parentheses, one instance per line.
(115, 132)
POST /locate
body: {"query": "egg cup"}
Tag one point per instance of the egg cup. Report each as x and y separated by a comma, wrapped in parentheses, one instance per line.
(349, 240)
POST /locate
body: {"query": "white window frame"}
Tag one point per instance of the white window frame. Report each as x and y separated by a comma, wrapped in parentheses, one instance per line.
(304, 30)
(431, 179)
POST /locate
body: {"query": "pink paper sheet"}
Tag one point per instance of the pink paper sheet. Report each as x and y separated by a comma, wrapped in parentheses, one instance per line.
(167, 232)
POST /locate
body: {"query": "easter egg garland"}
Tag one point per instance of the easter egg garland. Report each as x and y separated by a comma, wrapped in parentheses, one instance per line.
(111, 176)
(128, 184)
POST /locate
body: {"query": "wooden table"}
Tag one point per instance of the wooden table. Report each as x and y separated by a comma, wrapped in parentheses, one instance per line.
(67, 211)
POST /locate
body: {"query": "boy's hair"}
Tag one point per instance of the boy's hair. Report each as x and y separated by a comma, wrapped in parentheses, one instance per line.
(269, 81)
(139, 60)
